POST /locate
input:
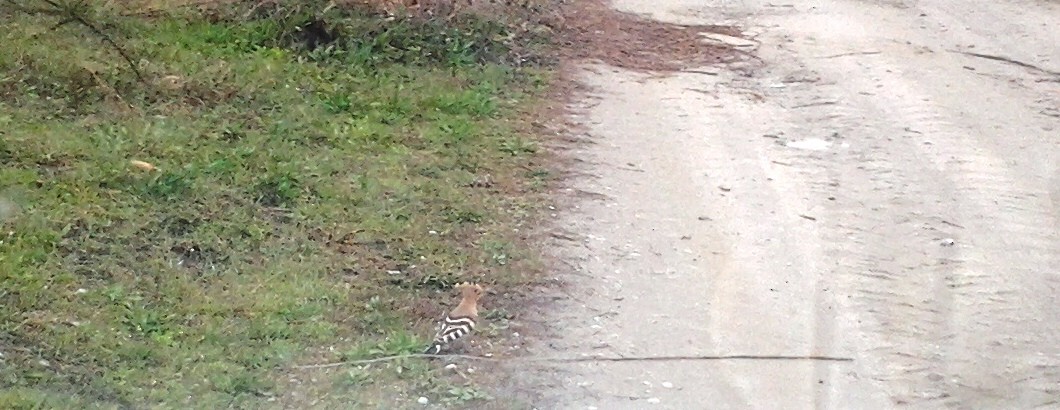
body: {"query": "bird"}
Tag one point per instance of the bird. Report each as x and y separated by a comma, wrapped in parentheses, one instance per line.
(461, 320)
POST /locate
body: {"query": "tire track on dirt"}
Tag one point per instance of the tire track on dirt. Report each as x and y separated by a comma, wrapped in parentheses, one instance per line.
(941, 311)
(1004, 285)
(944, 324)
(872, 198)
(852, 176)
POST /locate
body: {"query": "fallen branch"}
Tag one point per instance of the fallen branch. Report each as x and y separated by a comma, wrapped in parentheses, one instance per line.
(1006, 60)
(815, 104)
(580, 359)
(390, 358)
(855, 53)
(68, 15)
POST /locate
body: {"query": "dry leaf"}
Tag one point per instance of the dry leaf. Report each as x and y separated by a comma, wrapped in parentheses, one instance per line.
(146, 166)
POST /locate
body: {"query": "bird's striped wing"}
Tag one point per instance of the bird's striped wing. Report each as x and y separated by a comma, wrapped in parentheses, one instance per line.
(450, 330)
(455, 328)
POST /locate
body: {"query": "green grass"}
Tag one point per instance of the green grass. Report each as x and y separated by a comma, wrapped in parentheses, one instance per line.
(290, 187)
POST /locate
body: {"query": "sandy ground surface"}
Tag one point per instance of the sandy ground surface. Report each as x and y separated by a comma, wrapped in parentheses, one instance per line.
(872, 191)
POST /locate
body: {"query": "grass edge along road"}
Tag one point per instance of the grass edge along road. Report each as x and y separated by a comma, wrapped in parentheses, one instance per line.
(296, 202)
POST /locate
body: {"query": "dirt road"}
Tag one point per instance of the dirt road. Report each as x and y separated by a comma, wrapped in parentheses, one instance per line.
(885, 189)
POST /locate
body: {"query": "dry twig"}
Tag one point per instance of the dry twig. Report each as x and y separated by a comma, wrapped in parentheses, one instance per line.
(68, 15)
(579, 359)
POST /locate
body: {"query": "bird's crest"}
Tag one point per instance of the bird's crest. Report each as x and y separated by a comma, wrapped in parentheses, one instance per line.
(470, 290)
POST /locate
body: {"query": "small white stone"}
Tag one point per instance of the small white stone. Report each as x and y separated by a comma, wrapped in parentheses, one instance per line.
(654, 400)
(667, 385)
(81, 291)
(450, 366)
(432, 232)
(422, 400)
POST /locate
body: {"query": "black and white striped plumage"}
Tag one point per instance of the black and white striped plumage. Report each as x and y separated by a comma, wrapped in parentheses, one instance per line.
(449, 330)
(460, 321)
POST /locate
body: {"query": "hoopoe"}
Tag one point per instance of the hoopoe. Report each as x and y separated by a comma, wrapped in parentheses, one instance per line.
(461, 320)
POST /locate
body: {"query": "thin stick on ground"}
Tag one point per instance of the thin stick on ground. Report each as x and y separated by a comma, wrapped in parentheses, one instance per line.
(1006, 60)
(580, 359)
(68, 15)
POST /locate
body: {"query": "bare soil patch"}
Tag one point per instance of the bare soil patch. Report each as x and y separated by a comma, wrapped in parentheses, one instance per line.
(592, 30)
(586, 32)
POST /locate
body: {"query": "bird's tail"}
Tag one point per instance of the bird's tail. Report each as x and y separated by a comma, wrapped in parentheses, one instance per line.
(434, 348)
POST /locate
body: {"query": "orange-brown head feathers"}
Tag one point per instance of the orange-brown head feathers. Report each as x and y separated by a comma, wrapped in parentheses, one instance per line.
(470, 291)
(469, 296)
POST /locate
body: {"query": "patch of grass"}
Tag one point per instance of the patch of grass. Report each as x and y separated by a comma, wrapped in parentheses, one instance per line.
(300, 199)
(462, 395)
